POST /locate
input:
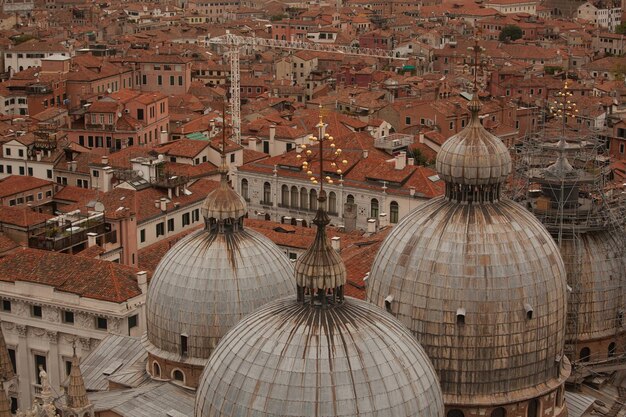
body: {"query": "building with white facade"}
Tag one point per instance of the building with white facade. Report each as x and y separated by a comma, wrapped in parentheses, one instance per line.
(30, 53)
(513, 6)
(60, 301)
(604, 17)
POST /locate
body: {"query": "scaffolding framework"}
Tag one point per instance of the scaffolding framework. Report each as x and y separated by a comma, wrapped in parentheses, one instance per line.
(562, 176)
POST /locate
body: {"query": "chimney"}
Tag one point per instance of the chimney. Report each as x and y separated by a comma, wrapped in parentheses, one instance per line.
(400, 160)
(272, 142)
(105, 160)
(163, 204)
(156, 203)
(412, 191)
(421, 138)
(286, 220)
(410, 161)
(142, 281)
(164, 136)
(336, 243)
(371, 226)
(38, 155)
(91, 239)
(383, 220)
(365, 153)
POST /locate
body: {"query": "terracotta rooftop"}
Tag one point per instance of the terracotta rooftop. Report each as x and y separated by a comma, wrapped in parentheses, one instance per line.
(15, 184)
(105, 281)
(22, 216)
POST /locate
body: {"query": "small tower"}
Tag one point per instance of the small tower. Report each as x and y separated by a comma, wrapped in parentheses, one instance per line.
(76, 402)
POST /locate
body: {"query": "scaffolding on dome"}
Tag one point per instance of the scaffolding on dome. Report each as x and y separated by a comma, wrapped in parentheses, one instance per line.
(562, 175)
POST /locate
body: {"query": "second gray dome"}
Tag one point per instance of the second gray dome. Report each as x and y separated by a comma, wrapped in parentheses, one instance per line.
(208, 282)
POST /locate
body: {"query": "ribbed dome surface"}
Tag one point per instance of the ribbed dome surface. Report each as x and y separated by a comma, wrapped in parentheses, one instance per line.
(208, 282)
(490, 263)
(294, 359)
(595, 260)
(224, 203)
(473, 157)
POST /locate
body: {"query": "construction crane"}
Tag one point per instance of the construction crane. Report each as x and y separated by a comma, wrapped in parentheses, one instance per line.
(236, 42)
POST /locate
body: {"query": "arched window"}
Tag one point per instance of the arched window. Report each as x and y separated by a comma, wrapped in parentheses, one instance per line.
(244, 189)
(585, 353)
(612, 348)
(313, 199)
(350, 199)
(498, 412)
(455, 412)
(284, 195)
(304, 198)
(156, 370)
(295, 196)
(393, 212)
(178, 375)
(533, 408)
(374, 208)
(332, 202)
(267, 193)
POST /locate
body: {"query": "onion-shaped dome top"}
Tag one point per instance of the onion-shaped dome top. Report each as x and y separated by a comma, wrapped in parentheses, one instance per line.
(478, 280)
(320, 266)
(474, 157)
(223, 203)
(294, 359)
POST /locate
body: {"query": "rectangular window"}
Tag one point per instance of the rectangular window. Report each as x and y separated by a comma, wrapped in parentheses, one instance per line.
(232, 158)
(68, 317)
(186, 219)
(1, 169)
(171, 80)
(8, 151)
(132, 321)
(30, 171)
(6, 305)
(20, 152)
(36, 311)
(13, 359)
(39, 196)
(142, 235)
(9, 169)
(407, 120)
(160, 229)
(180, 80)
(170, 225)
(101, 323)
(30, 198)
(48, 194)
(95, 173)
(196, 215)
(21, 170)
(144, 79)
(160, 80)
(49, 173)
(183, 344)
(40, 362)
(68, 367)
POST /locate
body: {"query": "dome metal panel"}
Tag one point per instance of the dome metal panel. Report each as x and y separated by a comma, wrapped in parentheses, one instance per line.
(294, 359)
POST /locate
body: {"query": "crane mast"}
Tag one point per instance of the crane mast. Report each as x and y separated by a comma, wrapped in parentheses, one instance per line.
(234, 43)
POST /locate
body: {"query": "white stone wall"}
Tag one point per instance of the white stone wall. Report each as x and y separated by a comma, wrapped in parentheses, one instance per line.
(50, 336)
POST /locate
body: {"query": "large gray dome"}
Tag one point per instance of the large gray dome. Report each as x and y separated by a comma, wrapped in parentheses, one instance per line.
(478, 280)
(208, 282)
(295, 359)
(595, 260)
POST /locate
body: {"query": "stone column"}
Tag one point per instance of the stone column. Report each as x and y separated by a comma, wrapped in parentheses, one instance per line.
(54, 372)
(25, 367)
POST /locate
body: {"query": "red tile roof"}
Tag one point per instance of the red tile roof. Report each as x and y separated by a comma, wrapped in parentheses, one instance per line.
(17, 184)
(86, 277)
(22, 216)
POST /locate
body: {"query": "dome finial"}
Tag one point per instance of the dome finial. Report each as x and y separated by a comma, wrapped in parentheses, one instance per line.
(223, 209)
(474, 104)
(320, 272)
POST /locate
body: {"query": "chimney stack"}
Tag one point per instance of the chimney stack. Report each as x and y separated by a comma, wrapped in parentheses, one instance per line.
(366, 153)
(410, 161)
(412, 191)
(105, 160)
(371, 226)
(163, 204)
(400, 160)
(383, 220)
(336, 243)
(142, 281)
(91, 239)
